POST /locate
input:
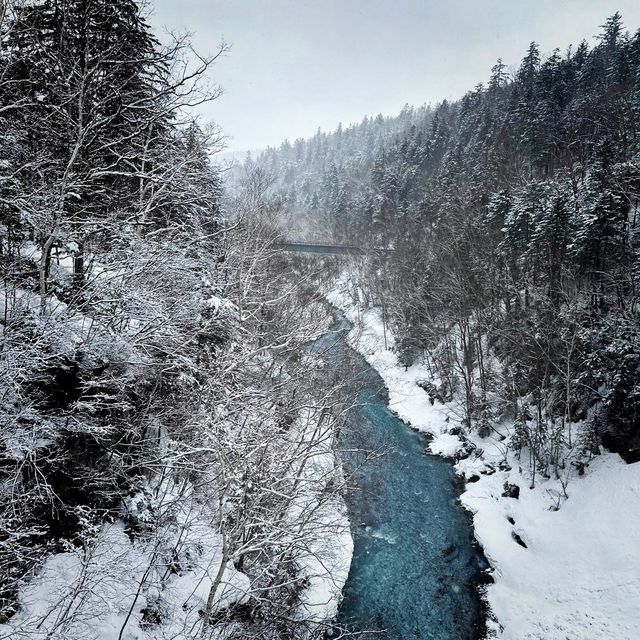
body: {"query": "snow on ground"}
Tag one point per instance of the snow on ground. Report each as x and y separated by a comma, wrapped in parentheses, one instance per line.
(103, 595)
(579, 576)
(326, 549)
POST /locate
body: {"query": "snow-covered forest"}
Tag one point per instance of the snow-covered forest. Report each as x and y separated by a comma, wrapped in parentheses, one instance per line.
(498, 298)
(512, 219)
(166, 447)
(173, 463)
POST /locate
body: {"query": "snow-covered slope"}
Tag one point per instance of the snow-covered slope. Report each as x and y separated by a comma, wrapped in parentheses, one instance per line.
(108, 592)
(578, 578)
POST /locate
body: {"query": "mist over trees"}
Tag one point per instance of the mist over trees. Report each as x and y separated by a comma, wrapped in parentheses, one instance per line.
(512, 218)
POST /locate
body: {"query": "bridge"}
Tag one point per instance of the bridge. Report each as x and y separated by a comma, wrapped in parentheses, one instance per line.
(320, 247)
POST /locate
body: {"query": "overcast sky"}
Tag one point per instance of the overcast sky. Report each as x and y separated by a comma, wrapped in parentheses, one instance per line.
(296, 65)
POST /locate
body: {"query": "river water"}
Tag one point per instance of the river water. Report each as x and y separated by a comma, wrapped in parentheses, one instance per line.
(415, 562)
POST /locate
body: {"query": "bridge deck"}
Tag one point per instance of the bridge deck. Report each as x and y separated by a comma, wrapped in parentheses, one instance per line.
(318, 247)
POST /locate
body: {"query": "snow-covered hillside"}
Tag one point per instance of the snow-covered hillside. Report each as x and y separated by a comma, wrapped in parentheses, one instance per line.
(564, 568)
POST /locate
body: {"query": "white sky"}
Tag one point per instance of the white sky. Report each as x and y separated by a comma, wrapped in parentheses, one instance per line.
(296, 65)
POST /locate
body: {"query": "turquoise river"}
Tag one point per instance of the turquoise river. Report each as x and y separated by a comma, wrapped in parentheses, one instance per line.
(415, 566)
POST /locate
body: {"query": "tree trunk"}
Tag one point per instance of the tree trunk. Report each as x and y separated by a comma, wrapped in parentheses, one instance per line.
(78, 268)
(45, 262)
(226, 553)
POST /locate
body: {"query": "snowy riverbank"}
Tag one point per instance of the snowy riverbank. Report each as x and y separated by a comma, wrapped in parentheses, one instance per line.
(325, 558)
(578, 577)
(107, 591)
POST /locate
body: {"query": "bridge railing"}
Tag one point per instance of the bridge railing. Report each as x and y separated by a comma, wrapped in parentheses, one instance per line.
(328, 248)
